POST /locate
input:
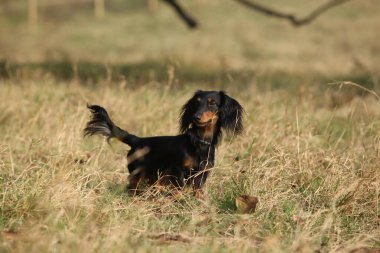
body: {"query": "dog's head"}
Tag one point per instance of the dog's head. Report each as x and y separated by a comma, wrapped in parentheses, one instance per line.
(212, 108)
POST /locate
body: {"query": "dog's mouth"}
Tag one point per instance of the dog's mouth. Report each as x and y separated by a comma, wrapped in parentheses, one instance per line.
(211, 120)
(202, 124)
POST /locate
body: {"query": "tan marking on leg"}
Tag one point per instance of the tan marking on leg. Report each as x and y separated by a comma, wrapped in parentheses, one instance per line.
(136, 178)
(189, 163)
(138, 154)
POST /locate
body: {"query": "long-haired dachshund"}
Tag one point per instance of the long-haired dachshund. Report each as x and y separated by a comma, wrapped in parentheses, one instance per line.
(185, 159)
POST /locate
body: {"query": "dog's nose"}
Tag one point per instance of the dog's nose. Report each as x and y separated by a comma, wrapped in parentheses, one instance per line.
(197, 117)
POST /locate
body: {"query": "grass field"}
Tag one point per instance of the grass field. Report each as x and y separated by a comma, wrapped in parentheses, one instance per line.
(310, 151)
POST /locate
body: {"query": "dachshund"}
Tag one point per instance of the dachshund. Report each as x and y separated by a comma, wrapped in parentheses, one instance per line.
(184, 159)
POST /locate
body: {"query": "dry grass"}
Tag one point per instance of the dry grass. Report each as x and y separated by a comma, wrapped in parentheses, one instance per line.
(310, 151)
(314, 169)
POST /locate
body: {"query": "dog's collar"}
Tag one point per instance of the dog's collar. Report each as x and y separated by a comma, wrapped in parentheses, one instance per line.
(204, 142)
(194, 138)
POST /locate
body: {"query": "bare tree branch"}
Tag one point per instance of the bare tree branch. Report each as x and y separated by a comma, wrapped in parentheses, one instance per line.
(296, 21)
(291, 17)
(191, 22)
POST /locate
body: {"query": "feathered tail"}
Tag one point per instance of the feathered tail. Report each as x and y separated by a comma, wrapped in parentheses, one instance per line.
(101, 124)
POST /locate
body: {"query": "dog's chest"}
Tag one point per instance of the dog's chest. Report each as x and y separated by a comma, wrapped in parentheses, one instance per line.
(199, 159)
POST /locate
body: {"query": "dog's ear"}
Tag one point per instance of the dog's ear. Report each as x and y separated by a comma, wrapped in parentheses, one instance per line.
(187, 112)
(231, 114)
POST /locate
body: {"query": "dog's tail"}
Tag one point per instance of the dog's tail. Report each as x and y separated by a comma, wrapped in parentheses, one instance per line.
(101, 124)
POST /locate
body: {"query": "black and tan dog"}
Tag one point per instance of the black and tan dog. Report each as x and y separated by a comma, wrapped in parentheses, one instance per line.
(185, 159)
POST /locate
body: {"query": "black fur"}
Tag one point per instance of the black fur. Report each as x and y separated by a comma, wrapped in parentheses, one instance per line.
(177, 160)
(231, 114)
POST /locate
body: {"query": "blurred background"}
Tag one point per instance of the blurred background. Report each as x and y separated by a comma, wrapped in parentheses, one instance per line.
(139, 41)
